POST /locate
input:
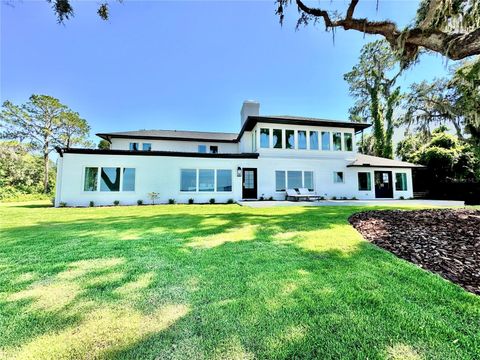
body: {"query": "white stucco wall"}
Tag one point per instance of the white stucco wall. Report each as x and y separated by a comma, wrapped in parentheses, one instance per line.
(162, 174)
(172, 145)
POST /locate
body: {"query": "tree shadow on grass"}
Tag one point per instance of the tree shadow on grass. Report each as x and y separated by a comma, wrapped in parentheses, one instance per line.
(256, 284)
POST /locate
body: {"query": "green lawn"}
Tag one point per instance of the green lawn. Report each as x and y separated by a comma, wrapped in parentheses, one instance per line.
(220, 282)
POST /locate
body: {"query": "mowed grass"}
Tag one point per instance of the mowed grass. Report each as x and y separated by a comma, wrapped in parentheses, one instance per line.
(218, 282)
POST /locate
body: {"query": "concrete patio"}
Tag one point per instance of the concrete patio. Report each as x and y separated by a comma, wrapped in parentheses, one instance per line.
(388, 202)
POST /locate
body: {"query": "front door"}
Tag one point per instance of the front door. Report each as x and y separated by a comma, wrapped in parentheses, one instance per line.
(249, 183)
(383, 184)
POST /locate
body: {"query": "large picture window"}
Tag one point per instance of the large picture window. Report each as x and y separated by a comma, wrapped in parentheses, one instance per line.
(206, 180)
(364, 181)
(348, 140)
(280, 181)
(147, 147)
(337, 141)
(325, 140)
(188, 180)
(313, 140)
(224, 180)
(264, 138)
(308, 180)
(128, 183)
(110, 179)
(277, 138)
(91, 179)
(302, 139)
(401, 182)
(294, 179)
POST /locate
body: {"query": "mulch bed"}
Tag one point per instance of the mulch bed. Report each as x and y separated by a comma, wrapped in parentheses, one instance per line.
(444, 241)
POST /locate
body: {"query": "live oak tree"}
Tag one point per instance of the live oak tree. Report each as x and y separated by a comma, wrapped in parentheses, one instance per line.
(43, 122)
(448, 27)
(372, 83)
(454, 101)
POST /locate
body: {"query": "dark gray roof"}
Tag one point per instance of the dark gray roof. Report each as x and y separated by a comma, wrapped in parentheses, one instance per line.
(173, 135)
(362, 160)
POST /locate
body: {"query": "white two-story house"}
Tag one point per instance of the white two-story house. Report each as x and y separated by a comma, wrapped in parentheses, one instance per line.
(269, 155)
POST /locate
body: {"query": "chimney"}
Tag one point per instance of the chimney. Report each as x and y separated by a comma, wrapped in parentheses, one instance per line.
(249, 108)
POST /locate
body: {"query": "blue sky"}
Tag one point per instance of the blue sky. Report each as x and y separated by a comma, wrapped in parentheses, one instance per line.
(186, 65)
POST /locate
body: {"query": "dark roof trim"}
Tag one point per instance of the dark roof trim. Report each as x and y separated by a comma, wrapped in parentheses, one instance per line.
(62, 151)
(253, 120)
(388, 166)
(148, 137)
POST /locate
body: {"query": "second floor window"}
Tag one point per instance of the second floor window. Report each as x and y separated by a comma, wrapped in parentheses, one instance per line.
(325, 140)
(290, 136)
(147, 147)
(302, 139)
(277, 138)
(202, 149)
(264, 138)
(214, 149)
(134, 146)
(313, 140)
(348, 139)
(337, 141)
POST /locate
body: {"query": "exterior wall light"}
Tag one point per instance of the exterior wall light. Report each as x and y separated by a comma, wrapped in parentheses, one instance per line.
(239, 171)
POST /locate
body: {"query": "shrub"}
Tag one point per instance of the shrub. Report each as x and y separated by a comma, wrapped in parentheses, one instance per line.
(322, 197)
(139, 202)
(116, 202)
(270, 198)
(334, 198)
(402, 198)
(191, 201)
(153, 196)
(230, 201)
(212, 201)
(171, 201)
(353, 198)
(344, 198)
(91, 204)
(63, 204)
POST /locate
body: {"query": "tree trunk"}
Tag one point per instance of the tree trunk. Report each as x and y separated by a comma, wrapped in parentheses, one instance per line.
(45, 168)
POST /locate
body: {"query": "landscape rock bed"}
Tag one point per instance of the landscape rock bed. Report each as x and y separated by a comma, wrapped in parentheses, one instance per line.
(444, 241)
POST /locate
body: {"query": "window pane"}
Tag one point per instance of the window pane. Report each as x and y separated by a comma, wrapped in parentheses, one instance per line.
(401, 182)
(133, 146)
(110, 179)
(277, 138)
(347, 137)
(224, 180)
(313, 140)
(338, 177)
(206, 180)
(264, 138)
(364, 181)
(302, 139)
(91, 178)
(337, 141)
(128, 183)
(280, 180)
(202, 149)
(214, 149)
(325, 140)
(147, 147)
(290, 136)
(294, 179)
(308, 180)
(188, 180)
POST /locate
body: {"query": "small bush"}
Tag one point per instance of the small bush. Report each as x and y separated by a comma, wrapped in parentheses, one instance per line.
(171, 201)
(344, 198)
(91, 204)
(191, 201)
(353, 198)
(334, 198)
(402, 198)
(116, 202)
(63, 204)
(212, 201)
(153, 196)
(230, 201)
(322, 197)
(270, 198)
(139, 202)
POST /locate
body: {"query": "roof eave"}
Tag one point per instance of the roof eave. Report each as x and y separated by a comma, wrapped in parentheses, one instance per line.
(108, 137)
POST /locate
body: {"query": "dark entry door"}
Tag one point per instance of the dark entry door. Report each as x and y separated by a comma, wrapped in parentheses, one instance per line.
(249, 183)
(383, 184)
